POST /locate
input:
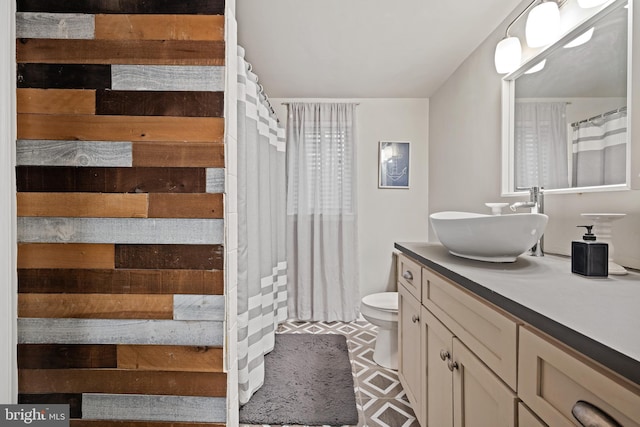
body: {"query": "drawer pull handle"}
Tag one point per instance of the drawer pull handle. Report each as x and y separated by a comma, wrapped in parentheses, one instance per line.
(407, 275)
(592, 416)
(452, 365)
(415, 318)
(444, 354)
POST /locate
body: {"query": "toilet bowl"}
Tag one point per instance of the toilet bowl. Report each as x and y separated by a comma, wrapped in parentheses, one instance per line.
(381, 310)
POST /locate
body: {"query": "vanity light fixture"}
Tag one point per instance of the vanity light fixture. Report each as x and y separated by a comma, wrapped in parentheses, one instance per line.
(543, 24)
(508, 53)
(586, 4)
(581, 39)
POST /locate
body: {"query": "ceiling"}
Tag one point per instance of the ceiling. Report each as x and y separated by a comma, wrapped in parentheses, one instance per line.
(362, 48)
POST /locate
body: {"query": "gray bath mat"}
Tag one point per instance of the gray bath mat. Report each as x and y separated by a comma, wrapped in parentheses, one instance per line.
(308, 381)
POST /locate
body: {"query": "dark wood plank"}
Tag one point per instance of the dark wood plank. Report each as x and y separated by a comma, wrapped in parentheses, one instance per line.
(166, 205)
(196, 257)
(66, 356)
(64, 76)
(197, 282)
(151, 103)
(178, 154)
(74, 400)
(139, 52)
(117, 381)
(196, 7)
(111, 180)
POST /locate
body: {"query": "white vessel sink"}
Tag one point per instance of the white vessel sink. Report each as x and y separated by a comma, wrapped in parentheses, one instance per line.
(493, 238)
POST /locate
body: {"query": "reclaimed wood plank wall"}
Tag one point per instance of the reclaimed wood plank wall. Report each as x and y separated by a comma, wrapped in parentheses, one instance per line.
(120, 180)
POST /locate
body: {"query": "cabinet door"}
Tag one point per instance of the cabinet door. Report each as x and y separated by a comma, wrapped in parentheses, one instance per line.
(437, 385)
(409, 365)
(480, 398)
(527, 419)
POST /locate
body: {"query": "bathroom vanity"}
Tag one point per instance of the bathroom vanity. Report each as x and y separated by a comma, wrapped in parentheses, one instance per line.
(515, 344)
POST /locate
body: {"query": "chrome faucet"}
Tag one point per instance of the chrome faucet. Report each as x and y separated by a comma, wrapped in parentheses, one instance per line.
(536, 203)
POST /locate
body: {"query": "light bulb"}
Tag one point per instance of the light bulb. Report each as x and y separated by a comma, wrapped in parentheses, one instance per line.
(508, 55)
(543, 24)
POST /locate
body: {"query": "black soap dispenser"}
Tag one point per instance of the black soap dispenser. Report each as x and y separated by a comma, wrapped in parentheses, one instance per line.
(588, 256)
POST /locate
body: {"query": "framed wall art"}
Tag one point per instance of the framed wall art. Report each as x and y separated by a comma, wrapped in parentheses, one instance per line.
(394, 164)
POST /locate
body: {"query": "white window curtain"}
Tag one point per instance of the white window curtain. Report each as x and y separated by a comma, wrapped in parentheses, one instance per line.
(600, 150)
(322, 232)
(540, 145)
(262, 275)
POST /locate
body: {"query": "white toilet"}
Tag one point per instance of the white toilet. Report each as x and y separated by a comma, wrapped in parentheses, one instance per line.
(381, 309)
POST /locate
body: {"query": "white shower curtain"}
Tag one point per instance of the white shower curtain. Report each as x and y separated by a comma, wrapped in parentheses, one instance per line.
(600, 150)
(262, 268)
(322, 232)
(541, 148)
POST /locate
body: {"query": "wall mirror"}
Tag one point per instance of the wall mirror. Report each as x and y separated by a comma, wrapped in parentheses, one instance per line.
(565, 118)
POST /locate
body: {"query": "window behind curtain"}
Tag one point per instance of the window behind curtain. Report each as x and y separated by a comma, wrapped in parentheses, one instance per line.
(326, 186)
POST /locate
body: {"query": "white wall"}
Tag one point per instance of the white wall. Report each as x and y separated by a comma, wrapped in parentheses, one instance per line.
(8, 367)
(464, 166)
(386, 215)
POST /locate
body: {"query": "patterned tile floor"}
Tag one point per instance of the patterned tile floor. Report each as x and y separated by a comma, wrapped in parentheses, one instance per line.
(379, 395)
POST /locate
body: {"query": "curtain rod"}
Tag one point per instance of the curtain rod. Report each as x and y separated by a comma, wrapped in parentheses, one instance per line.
(608, 113)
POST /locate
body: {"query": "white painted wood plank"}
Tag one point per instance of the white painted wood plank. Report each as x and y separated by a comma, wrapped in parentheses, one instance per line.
(215, 180)
(116, 331)
(121, 230)
(73, 153)
(139, 407)
(198, 307)
(167, 77)
(37, 25)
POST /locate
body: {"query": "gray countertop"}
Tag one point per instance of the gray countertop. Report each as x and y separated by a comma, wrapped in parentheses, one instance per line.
(599, 317)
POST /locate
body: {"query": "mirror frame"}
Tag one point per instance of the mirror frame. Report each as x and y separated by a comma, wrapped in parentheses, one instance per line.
(508, 102)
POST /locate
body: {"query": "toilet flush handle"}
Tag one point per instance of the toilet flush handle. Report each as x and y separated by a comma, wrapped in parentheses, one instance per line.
(407, 275)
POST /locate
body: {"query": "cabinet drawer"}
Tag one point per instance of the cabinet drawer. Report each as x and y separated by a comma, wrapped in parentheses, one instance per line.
(409, 274)
(552, 379)
(491, 335)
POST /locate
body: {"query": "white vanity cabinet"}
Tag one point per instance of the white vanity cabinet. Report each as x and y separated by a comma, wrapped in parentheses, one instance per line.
(484, 360)
(410, 357)
(447, 384)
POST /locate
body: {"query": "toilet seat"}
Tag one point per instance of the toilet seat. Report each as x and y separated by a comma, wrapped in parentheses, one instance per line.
(385, 301)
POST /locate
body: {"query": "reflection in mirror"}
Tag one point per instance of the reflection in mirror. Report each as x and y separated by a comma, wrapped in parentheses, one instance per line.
(569, 111)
